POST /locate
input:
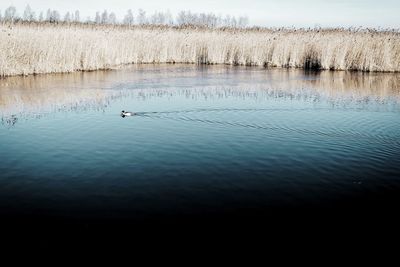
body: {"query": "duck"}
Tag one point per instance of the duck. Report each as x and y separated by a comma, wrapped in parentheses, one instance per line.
(126, 114)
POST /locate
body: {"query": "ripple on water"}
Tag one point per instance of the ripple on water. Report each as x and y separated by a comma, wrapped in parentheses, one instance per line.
(323, 122)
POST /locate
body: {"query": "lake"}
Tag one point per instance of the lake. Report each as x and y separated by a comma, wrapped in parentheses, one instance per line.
(206, 142)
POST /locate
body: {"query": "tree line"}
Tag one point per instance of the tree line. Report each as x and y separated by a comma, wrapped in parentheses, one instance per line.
(183, 18)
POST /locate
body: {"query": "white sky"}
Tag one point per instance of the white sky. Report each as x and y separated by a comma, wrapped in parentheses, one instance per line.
(300, 13)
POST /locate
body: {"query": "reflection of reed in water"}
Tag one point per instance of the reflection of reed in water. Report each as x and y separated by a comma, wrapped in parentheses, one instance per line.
(248, 82)
(338, 88)
(36, 95)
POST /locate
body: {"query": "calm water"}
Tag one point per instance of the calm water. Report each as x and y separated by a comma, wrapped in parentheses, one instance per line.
(206, 140)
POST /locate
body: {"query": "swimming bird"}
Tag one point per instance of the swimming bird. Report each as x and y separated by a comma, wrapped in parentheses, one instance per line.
(126, 114)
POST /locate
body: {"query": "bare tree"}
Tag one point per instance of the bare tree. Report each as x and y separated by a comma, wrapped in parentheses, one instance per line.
(219, 20)
(233, 22)
(157, 18)
(189, 18)
(97, 19)
(29, 15)
(77, 16)
(142, 19)
(41, 18)
(54, 16)
(212, 20)
(128, 19)
(112, 18)
(48, 14)
(194, 18)
(169, 19)
(227, 21)
(10, 14)
(202, 19)
(181, 19)
(67, 17)
(104, 17)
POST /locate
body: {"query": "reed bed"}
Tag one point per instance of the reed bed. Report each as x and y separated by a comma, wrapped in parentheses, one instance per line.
(33, 48)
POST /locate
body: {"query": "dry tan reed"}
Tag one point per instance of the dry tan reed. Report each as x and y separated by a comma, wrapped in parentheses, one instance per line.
(51, 48)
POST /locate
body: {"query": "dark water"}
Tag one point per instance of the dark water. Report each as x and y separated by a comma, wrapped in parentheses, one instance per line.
(207, 141)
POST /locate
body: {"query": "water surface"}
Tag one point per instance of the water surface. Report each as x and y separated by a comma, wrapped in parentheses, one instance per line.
(206, 140)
